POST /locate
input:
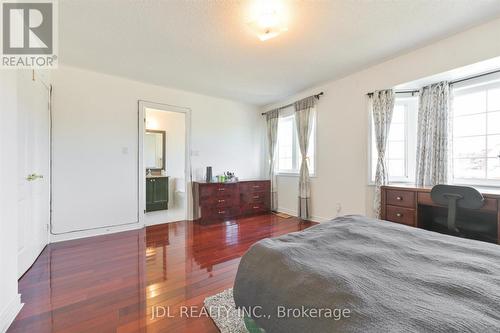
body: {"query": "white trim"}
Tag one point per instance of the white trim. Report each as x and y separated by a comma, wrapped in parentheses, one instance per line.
(142, 170)
(10, 312)
(54, 238)
(294, 213)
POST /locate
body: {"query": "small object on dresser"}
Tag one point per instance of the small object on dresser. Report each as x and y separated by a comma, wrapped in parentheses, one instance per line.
(229, 176)
(208, 177)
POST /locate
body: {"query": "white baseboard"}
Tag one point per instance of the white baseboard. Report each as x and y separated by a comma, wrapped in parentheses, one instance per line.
(92, 233)
(293, 212)
(287, 211)
(10, 312)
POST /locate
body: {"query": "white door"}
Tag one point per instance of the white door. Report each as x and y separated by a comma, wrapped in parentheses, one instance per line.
(33, 159)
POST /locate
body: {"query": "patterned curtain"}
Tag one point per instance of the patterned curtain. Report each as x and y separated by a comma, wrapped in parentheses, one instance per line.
(304, 121)
(432, 135)
(272, 138)
(382, 105)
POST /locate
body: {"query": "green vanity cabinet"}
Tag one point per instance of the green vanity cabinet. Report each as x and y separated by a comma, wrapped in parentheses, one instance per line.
(156, 193)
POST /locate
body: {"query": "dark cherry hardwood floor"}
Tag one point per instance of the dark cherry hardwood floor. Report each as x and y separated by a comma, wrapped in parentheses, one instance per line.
(111, 283)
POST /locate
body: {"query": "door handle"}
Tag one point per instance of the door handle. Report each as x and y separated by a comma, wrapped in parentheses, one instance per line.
(33, 177)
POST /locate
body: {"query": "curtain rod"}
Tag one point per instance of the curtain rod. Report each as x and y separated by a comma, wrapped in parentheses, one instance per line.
(475, 76)
(288, 105)
(451, 82)
(412, 92)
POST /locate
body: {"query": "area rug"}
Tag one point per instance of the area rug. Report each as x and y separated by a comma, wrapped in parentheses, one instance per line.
(223, 312)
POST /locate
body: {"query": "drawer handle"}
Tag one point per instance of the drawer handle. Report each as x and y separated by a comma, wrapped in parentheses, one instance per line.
(399, 198)
(222, 200)
(256, 186)
(221, 189)
(399, 214)
(222, 212)
(256, 197)
(255, 207)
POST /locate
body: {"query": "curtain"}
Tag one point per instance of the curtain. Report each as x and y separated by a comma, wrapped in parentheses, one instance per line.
(304, 113)
(382, 105)
(272, 138)
(432, 135)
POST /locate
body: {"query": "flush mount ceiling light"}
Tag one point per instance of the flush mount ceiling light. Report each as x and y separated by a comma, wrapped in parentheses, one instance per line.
(268, 19)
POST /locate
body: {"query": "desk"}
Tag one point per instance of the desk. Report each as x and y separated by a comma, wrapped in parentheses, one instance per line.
(408, 205)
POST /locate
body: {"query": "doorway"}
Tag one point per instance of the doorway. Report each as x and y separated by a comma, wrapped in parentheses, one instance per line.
(164, 157)
(34, 168)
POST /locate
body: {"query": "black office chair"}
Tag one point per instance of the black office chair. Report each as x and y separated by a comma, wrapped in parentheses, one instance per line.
(464, 197)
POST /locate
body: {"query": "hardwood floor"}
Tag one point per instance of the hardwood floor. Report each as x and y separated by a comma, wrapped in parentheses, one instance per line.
(111, 283)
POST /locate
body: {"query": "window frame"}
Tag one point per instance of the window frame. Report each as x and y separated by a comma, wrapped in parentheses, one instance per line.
(296, 149)
(410, 101)
(470, 86)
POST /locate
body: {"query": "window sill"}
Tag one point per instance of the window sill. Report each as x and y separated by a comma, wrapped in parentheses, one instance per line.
(293, 174)
(394, 183)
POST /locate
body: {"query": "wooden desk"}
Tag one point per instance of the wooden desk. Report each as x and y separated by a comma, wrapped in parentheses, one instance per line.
(401, 203)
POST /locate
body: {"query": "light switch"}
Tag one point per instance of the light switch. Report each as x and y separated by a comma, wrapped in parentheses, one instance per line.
(124, 150)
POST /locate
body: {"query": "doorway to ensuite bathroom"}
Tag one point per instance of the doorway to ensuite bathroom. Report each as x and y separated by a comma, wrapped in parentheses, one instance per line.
(165, 163)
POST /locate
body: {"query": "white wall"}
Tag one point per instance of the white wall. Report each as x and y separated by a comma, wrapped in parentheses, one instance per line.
(95, 146)
(10, 302)
(174, 124)
(342, 166)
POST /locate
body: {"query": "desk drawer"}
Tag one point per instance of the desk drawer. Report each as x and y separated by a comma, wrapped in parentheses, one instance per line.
(400, 215)
(490, 205)
(400, 198)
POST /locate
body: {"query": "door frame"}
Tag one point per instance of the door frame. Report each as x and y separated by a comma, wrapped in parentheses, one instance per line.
(143, 105)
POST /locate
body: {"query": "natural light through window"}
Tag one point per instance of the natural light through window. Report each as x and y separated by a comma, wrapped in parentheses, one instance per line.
(288, 153)
(476, 134)
(400, 153)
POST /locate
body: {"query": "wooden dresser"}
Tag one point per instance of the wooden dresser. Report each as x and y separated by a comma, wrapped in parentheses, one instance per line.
(411, 205)
(215, 202)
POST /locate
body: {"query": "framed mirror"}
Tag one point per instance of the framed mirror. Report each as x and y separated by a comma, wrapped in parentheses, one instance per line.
(154, 150)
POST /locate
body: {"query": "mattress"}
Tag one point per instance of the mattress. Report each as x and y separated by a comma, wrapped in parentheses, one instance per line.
(356, 274)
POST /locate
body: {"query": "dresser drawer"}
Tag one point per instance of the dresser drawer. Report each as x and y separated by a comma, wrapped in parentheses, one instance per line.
(400, 215)
(400, 198)
(254, 208)
(220, 201)
(216, 213)
(254, 187)
(218, 190)
(258, 197)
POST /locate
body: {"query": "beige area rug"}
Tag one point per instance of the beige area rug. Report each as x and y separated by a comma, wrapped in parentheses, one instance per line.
(223, 312)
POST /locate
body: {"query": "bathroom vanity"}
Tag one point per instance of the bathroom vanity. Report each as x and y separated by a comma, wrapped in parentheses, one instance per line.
(156, 193)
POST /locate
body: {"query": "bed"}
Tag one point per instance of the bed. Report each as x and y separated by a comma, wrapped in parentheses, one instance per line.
(390, 278)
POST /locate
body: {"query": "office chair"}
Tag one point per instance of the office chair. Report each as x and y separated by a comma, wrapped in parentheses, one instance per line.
(455, 197)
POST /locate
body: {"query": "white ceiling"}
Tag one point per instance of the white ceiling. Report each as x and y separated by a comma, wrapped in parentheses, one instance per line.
(205, 46)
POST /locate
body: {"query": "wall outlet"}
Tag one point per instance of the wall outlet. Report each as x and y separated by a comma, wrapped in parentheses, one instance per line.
(338, 207)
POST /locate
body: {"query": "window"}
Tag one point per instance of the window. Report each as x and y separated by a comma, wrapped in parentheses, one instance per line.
(475, 153)
(288, 153)
(401, 142)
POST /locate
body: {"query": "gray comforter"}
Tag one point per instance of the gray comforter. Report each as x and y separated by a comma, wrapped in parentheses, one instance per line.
(390, 278)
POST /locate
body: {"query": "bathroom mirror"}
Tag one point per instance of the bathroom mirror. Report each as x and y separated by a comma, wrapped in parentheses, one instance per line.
(154, 149)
